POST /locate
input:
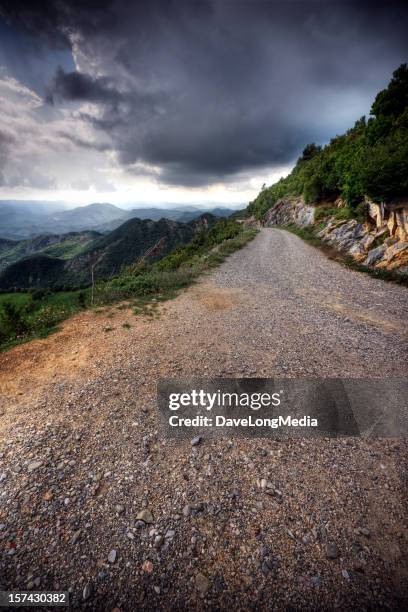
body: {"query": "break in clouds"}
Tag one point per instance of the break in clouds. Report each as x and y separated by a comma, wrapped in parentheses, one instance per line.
(184, 93)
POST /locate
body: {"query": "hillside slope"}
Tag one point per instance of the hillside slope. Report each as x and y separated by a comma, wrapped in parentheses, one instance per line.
(105, 254)
(132, 240)
(369, 161)
(64, 246)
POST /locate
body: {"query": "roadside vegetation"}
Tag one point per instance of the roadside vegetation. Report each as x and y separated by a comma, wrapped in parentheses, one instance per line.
(33, 314)
(370, 160)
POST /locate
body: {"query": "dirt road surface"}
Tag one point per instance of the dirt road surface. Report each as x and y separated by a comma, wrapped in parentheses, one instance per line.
(81, 453)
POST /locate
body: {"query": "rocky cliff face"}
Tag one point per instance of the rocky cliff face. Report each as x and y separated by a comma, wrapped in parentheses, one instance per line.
(380, 242)
(290, 211)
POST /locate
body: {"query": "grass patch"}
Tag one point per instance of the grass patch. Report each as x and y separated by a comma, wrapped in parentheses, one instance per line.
(35, 314)
(323, 213)
(341, 214)
(19, 299)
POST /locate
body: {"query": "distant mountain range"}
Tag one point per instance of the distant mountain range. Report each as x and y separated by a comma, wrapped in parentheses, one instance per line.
(20, 219)
(65, 260)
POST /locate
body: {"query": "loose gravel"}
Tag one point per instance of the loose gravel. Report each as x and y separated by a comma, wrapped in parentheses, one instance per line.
(95, 501)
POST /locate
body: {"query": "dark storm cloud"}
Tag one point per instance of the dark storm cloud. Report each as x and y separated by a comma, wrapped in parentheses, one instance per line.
(75, 86)
(79, 87)
(53, 21)
(204, 90)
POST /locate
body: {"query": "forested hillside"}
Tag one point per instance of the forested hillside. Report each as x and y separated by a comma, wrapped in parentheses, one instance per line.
(64, 246)
(370, 160)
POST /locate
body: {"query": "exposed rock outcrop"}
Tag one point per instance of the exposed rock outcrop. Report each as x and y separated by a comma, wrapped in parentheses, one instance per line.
(380, 242)
(290, 211)
(394, 216)
(360, 241)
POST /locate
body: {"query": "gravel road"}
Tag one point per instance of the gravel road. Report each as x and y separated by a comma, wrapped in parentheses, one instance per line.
(93, 499)
(310, 316)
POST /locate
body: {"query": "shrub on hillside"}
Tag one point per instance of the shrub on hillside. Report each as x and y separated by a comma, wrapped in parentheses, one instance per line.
(20, 321)
(46, 317)
(13, 320)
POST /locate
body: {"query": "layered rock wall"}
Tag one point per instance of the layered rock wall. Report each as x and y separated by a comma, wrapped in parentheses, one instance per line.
(290, 211)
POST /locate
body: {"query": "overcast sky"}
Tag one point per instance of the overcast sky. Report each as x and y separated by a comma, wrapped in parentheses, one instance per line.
(181, 101)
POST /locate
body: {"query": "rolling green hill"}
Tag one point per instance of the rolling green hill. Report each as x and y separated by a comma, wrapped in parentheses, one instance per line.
(64, 246)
